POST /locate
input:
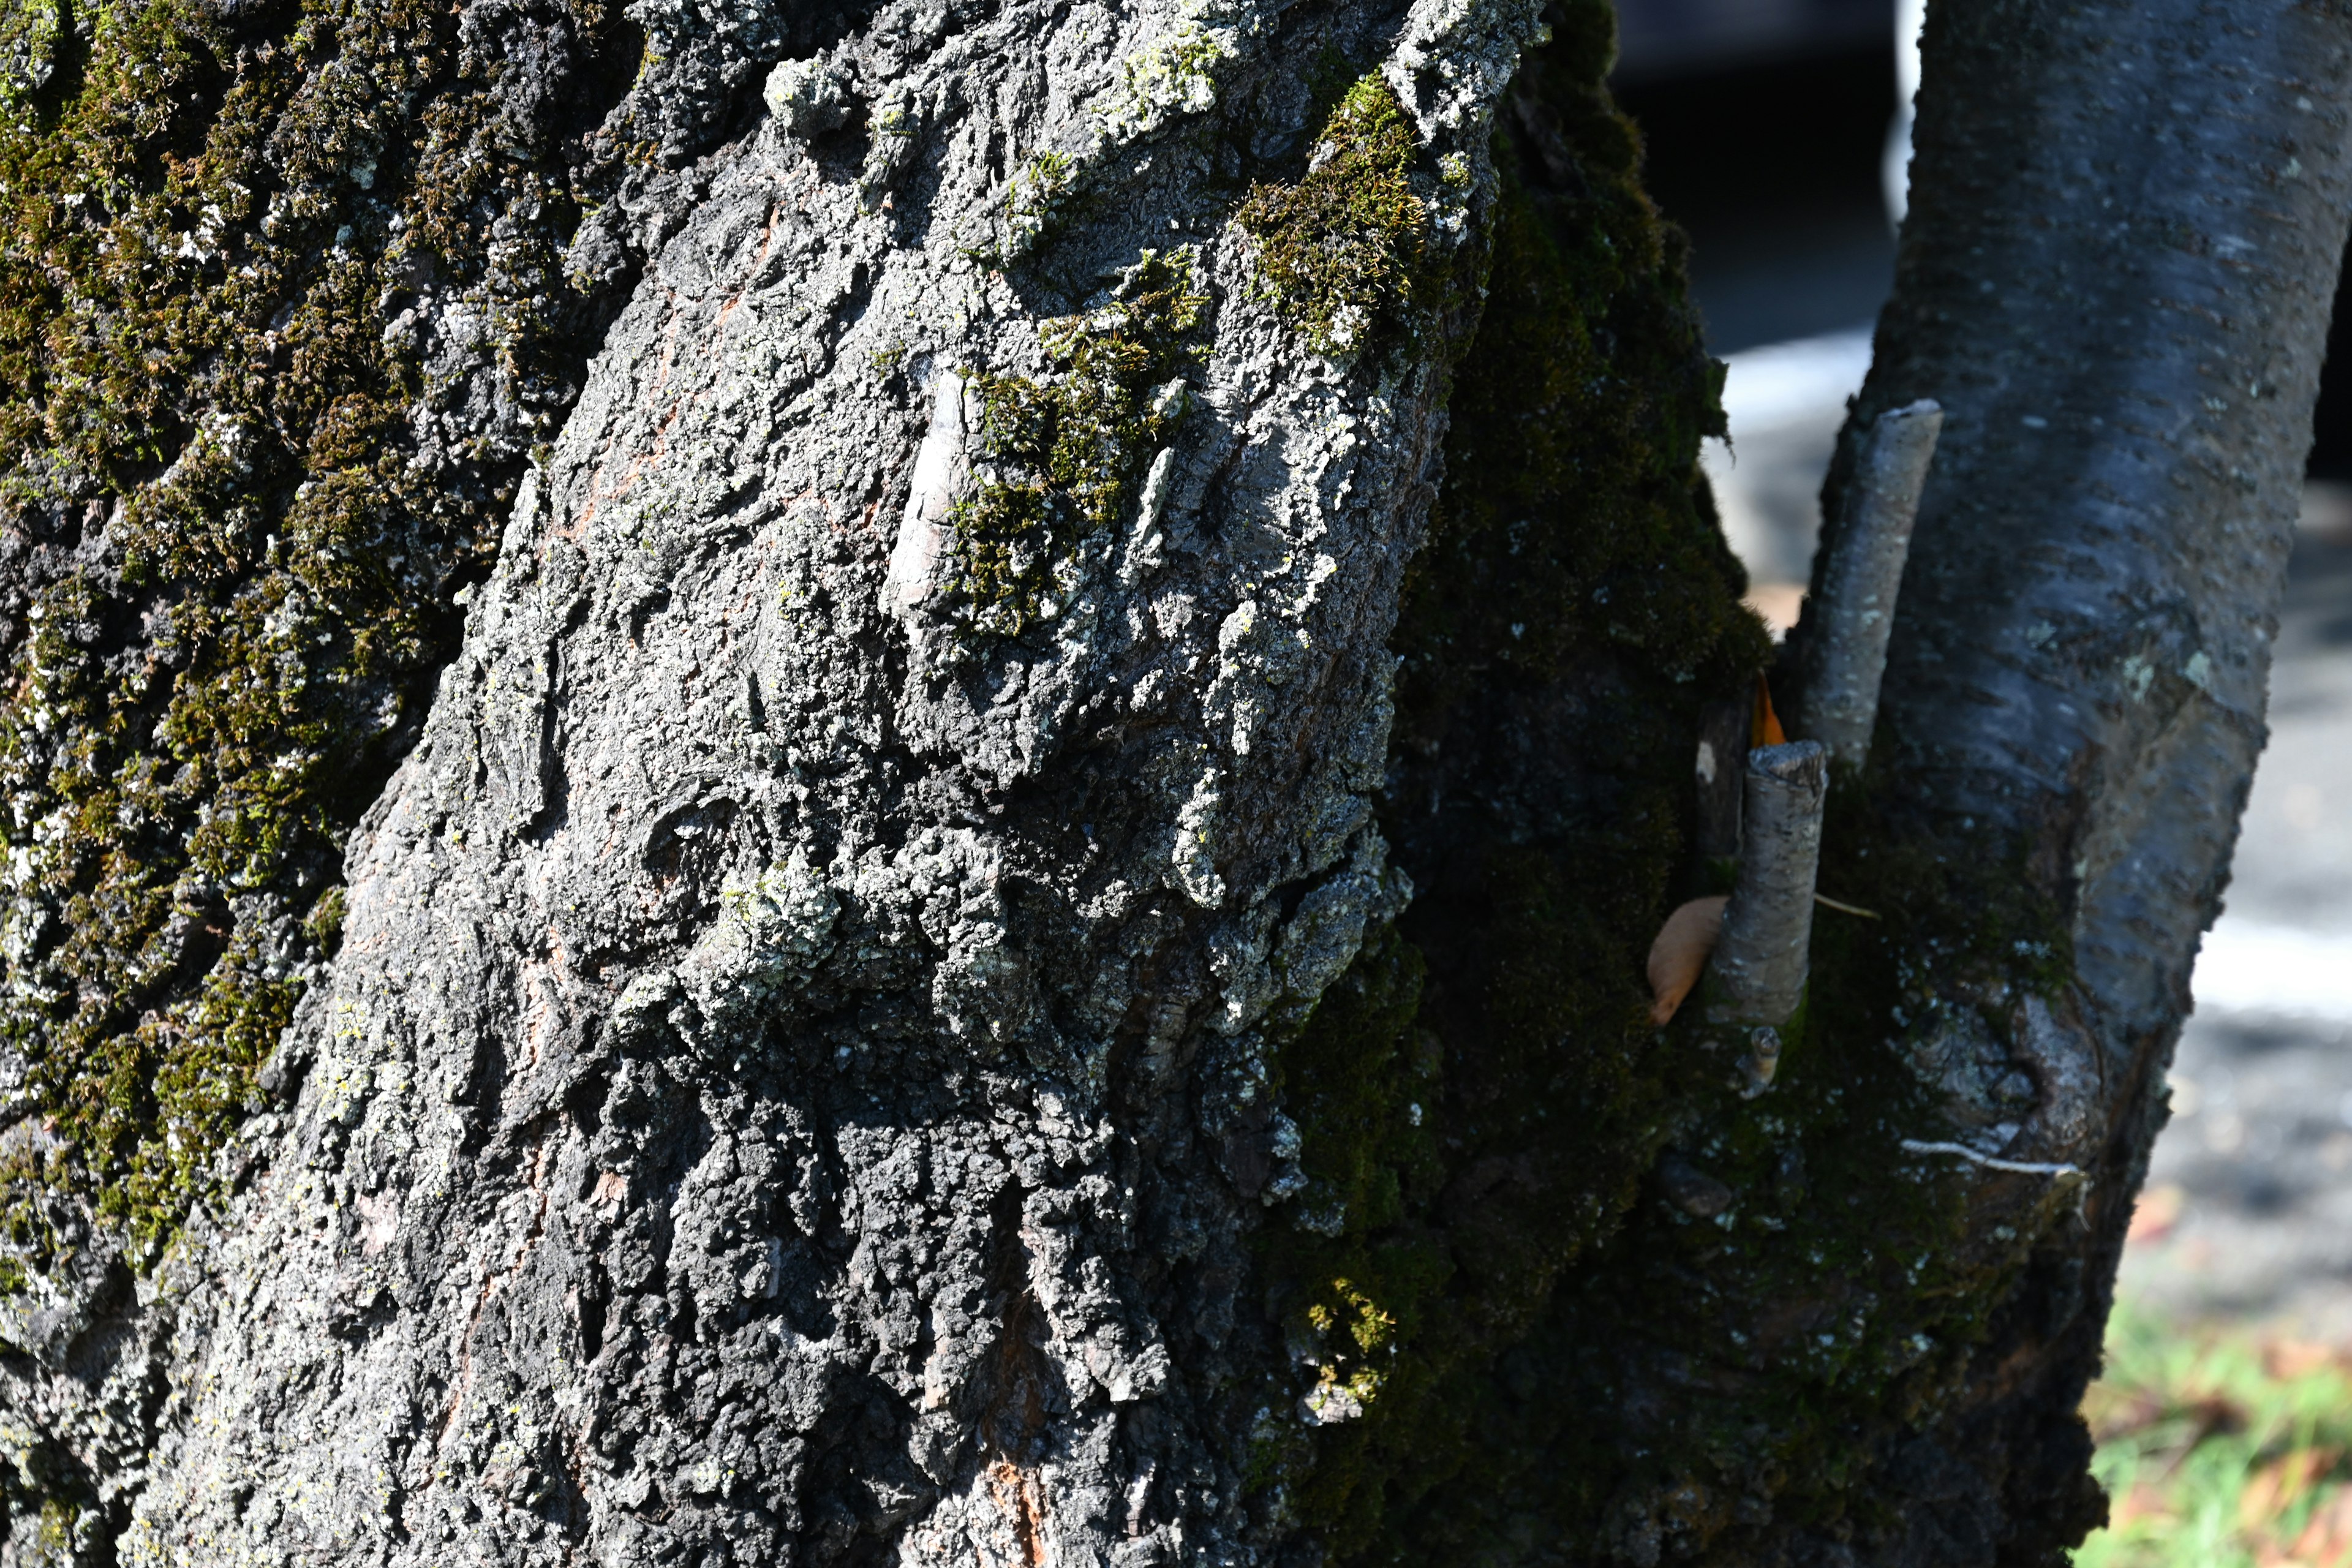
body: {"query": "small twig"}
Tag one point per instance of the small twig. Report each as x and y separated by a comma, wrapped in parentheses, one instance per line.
(1855, 612)
(1762, 957)
(2022, 1167)
(1847, 908)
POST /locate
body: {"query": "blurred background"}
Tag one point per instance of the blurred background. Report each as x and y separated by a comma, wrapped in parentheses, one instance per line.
(1777, 132)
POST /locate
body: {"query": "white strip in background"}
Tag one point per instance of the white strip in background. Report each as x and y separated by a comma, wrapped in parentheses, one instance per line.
(1809, 378)
(2281, 971)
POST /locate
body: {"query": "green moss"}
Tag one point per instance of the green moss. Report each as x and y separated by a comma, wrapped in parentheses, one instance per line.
(1342, 251)
(1034, 205)
(1057, 462)
(1479, 1097)
(29, 39)
(54, 1533)
(205, 227)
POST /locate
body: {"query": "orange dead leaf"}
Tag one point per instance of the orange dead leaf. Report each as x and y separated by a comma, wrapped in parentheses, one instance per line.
(1766, 728)
(1679, 955)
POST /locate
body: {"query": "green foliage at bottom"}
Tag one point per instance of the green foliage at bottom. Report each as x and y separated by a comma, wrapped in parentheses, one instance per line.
(2221, 1447)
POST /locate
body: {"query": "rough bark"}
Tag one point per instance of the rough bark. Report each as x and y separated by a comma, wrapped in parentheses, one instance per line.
(1009, 937)
(795, 1081)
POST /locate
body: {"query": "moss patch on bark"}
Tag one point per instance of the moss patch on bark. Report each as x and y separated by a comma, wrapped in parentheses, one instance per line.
(1058, 461)
(1342, 250)
(231, 562)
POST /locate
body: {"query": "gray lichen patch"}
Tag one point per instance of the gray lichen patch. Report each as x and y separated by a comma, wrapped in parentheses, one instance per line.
(769, 1007)
(807, 98)
(1176, 72)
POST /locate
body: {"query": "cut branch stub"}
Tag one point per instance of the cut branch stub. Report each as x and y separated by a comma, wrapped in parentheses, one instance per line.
(1759, 973)
(1860, 581)
(940, 466)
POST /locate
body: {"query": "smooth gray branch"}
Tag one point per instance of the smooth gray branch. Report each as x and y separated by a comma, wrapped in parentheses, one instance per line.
(1855, 613)
(1761, 961)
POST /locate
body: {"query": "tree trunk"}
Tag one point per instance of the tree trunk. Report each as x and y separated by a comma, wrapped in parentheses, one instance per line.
(1002, 934)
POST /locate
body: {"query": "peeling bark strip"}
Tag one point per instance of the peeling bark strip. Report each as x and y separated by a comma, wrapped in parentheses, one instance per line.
(1860, 580)
(940, 474)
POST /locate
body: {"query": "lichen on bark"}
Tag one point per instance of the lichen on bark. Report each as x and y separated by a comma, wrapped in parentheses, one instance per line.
(867, 1117)
(287, 296)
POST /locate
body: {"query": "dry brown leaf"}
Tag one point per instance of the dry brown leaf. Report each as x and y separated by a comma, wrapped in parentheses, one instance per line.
(2280, 1484)
(1679, 955)
(2327, 1540)
(2158, 1211)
